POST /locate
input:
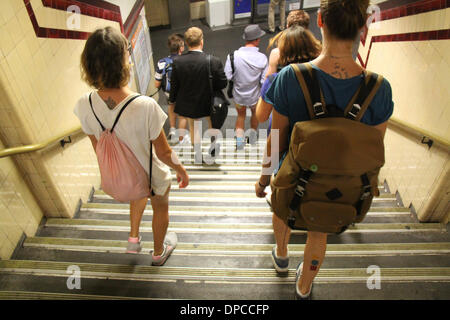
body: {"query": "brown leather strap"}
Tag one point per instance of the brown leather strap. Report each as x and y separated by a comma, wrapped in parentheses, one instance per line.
(372, 82)
(371, 95)
(306, 94)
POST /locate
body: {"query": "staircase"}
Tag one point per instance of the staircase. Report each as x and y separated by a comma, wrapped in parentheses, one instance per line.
(225, 239)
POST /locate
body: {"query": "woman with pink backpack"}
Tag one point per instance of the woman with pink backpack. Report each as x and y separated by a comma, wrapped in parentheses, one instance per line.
(124, 128)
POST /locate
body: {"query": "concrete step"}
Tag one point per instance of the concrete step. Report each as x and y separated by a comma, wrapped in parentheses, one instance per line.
(239, 250)
(240, 275)
(214, 236)
(233, 216)
(230, 228)
(207, 290)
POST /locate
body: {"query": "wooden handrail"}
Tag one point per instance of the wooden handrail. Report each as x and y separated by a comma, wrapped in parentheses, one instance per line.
(419, 132)
(39, 146)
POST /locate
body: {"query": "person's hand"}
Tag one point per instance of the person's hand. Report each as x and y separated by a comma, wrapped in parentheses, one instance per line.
(259, 190)
(182, 179)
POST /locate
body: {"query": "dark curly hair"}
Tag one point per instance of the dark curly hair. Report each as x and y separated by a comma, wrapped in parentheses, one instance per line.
(104, 61)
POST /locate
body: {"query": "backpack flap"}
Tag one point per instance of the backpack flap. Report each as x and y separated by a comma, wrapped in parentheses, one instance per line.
(327, 217)
(337, 146)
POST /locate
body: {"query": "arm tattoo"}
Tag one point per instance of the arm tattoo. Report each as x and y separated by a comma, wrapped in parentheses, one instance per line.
(110, 103)
(339, 72)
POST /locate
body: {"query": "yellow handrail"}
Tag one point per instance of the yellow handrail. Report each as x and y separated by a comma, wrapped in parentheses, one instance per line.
(420, 132)
(39, 146)
(35, 147)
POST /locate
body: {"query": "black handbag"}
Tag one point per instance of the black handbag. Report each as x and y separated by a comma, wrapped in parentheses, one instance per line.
(219, 103)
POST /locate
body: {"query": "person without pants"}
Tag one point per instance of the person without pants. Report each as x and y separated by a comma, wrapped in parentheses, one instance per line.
(163, 73)
(190, 88)
(250, 68)
(339, 76)
(105, 67)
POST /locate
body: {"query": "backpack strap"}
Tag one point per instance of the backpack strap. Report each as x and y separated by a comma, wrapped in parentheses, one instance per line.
(363, 97)
(118, 116)
(232, 62)
(120, 112)
(90, 102)
(309, 82)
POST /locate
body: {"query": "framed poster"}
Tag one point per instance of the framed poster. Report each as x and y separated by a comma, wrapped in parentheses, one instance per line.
(310, 4)
(141, 55)
(242, 9)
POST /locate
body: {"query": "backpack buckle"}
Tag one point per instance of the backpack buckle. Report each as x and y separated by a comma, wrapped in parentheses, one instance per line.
(318, 109)
(366, 192)
(300, 191)
(355, 110)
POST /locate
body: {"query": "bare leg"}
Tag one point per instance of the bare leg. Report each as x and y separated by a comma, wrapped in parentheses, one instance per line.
(253, 120)
(182, 125)
(316, 246)
(282, 234)
(240, 121)
(172, 116)
(160, 222)
(137, 208)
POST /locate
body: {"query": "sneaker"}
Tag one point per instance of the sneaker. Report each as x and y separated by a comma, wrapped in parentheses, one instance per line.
(186, 141)
(252, 139)
(170, 242)
(134, 245)
(214, 150)
(280, 264)
(298, 295)
(171, 136)
(240, 143)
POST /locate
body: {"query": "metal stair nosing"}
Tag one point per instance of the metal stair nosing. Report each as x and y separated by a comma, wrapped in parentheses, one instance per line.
(442, 248)
(121, 225)
(240, 275)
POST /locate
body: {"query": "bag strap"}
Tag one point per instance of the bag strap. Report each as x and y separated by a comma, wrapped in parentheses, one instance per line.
(151, 169)
(121, 110)
(232, 62)
(92, 108)
(364, 96)
(118, 116)
(309, 82)
(208, 59)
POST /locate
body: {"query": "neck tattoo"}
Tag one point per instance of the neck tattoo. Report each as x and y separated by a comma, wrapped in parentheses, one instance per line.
(110, 103)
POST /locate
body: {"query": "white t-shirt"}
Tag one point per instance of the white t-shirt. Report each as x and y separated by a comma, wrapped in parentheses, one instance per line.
(140, 122)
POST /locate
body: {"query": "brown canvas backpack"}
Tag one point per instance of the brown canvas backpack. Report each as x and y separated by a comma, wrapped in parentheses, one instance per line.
(330, 174)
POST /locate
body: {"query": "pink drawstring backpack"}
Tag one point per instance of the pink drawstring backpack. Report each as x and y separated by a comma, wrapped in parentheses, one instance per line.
(122, 176)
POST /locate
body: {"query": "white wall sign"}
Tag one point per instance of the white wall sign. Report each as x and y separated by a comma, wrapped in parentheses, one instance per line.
(311, 4)
(294, 6)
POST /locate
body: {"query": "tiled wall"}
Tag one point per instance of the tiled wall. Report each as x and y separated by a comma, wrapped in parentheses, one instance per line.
(19, 211)
(39, 86)
(418, 68)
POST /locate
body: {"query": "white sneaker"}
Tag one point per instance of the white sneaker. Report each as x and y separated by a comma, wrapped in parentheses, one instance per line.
(186, 141)
(171, 136)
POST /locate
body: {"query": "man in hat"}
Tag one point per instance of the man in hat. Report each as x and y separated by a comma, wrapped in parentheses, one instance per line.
(250, 67)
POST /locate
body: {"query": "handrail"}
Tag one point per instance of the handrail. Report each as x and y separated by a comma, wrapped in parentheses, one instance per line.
(39, 146)
(420, 132)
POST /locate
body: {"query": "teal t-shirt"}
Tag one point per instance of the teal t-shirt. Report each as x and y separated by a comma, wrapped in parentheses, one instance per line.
(286, 95)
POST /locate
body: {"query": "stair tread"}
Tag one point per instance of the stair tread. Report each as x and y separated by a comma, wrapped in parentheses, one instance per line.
(229, 274)
(443, 247)
(237, 227)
